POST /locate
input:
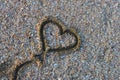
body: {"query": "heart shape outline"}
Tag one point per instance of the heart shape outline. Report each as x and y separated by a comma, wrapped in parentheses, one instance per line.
(45, 21)
(63, 30)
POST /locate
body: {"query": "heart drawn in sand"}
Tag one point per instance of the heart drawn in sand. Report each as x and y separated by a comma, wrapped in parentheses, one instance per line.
(62, 31)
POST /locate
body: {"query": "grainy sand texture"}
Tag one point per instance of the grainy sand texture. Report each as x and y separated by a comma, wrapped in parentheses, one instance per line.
(97, 22)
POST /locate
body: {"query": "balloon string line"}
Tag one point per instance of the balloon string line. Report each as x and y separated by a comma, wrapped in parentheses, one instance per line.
(40, 57)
